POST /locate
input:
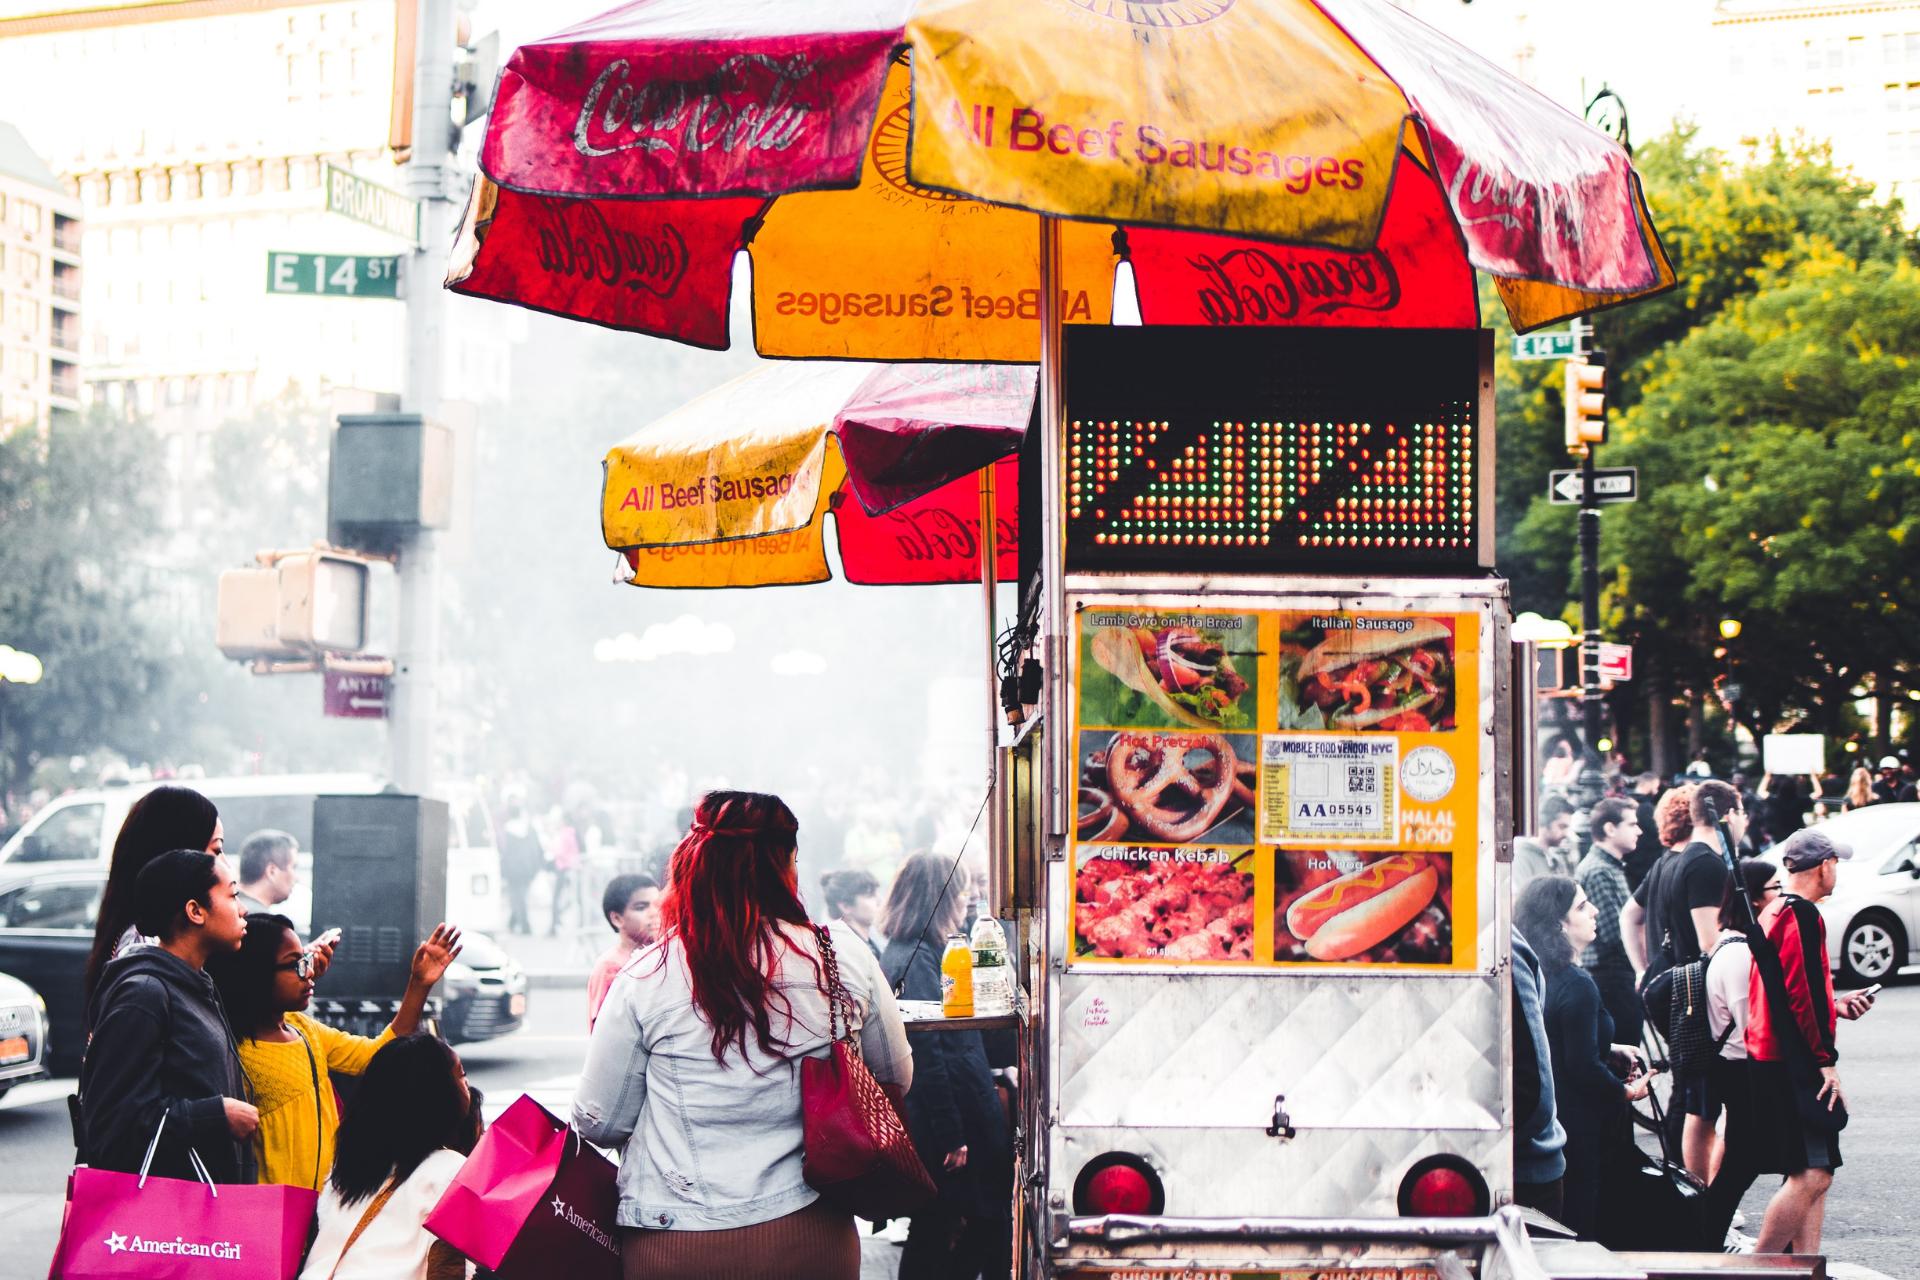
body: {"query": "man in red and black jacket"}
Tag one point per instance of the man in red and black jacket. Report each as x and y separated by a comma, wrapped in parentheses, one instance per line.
(1810, 862)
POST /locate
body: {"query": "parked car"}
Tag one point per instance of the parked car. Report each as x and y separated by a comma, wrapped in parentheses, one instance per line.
(47, 913)
(23, 1033)
(46, 930)
(80, 827)
(1873, 917)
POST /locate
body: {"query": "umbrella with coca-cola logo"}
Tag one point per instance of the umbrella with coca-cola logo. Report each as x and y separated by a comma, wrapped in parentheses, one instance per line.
(732, 489)
(1255, 161)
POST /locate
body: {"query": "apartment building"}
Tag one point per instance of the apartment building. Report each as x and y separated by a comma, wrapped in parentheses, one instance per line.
(40, 244)
(196, 136)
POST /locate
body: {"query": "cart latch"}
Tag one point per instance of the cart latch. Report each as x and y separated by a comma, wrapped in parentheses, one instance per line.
(1282, 1126)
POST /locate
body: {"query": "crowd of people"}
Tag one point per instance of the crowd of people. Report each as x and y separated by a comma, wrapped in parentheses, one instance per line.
(203, 1062)
(1650, 952)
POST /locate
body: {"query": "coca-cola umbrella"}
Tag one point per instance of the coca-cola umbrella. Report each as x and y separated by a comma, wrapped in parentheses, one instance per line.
(1256, 161)
(734, 489)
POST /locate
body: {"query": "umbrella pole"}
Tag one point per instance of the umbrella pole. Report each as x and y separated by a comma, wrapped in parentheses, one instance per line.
(1055, 746)
(989, 552)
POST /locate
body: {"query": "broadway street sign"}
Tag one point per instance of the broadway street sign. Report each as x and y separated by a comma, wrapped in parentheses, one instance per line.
(352, 196)
(1610, 484)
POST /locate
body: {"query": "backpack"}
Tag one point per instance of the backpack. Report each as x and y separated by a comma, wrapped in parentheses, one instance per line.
(1676, 1002)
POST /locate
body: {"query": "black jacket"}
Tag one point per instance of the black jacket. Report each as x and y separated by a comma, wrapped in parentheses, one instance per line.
(160, 1047)
(952, 1102)
(1587, 1095)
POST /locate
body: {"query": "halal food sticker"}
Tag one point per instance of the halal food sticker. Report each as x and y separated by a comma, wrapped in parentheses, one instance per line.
(1427, 774)
(1155, 669)
(1365, 672)
(1315, 787)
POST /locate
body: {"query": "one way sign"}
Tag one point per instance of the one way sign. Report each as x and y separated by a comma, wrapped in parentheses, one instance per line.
(1610, 484)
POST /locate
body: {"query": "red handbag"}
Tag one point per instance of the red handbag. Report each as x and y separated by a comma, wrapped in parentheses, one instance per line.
(856, 1151)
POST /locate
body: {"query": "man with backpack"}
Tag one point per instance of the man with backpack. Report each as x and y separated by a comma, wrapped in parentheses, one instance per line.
(1615, 826)
(1674, 919)
(1790, 1042)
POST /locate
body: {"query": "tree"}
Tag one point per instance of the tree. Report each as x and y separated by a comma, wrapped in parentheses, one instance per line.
(1781, 486)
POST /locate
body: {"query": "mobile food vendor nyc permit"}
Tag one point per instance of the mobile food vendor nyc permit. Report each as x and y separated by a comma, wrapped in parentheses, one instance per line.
(1314, 787)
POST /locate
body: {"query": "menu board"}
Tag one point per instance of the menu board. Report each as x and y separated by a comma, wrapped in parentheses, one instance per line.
(1276, 788)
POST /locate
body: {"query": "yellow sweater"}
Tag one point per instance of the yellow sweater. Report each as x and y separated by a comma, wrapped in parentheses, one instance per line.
(294, 1143)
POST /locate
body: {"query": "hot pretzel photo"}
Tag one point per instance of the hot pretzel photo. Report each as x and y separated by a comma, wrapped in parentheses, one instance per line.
(1165, 788)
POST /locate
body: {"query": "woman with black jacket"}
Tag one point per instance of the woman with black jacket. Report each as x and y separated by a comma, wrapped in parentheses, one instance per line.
(953, 1111)
(162, 1059)
(1589, 1096)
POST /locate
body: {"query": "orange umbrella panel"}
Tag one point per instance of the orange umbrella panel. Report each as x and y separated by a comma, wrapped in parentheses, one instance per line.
(733, 488)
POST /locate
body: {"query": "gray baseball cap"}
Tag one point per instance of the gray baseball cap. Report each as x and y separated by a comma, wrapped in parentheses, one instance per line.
(1808, 847)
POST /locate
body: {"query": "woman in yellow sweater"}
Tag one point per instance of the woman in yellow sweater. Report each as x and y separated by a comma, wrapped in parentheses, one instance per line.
(289, 1057)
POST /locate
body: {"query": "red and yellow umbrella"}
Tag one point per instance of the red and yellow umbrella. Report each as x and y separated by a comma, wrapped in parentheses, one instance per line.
(1255, 161)
(888, 165)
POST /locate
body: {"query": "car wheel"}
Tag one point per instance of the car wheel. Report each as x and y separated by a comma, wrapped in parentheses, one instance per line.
(1872, 949)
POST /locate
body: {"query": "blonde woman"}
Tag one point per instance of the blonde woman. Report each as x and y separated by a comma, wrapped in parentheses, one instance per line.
(1859, 790)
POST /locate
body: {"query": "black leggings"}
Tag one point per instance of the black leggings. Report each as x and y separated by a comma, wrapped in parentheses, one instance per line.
(1742, 1161)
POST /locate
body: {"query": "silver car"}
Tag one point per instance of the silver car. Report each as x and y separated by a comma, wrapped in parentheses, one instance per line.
(23, 1033)
(1873, 917)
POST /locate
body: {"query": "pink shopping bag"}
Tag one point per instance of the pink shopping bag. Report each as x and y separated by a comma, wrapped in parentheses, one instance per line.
(118, 1226)
(533, 1200)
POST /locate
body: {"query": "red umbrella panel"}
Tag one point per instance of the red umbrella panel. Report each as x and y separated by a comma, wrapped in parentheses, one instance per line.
(735, 488)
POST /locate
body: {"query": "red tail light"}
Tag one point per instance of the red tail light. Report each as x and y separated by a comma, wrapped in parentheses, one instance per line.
(1118, 1183)
(1444, 1187)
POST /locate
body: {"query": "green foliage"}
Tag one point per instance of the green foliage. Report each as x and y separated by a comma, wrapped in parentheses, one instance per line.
(1780, 369)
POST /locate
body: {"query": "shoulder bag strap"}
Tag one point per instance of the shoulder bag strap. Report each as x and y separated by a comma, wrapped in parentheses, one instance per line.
(839, 1003)
(319, 1118)
(1779, 1006)
(372, 1212)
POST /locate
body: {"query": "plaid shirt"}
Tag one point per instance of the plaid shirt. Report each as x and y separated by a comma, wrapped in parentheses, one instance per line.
(1601, 876)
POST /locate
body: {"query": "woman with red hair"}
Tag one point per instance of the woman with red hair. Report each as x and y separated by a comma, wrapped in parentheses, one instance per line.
(694, 1065)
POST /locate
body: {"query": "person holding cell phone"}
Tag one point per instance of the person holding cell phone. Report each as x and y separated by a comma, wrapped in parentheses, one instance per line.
(289, 1057)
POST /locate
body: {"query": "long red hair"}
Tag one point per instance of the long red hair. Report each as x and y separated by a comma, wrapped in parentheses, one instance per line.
(730, 887)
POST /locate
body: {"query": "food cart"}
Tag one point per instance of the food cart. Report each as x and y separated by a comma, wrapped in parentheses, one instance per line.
(1254, 828)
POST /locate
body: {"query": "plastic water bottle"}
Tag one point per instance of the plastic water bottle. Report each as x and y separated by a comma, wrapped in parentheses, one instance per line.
(992, 975)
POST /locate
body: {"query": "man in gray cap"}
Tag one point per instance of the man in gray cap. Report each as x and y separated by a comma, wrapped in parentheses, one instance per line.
(1810, 862)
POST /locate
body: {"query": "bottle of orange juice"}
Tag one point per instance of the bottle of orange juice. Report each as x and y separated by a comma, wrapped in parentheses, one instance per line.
(956, 979)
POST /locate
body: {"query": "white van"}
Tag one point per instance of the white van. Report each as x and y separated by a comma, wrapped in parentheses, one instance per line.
(81, 826)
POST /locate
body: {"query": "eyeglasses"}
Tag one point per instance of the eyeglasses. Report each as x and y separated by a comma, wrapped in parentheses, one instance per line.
(1770, 888)
(301, 965)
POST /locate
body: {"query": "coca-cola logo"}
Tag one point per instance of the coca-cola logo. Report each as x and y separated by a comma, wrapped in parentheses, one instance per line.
(939, 534)
(578, 240)
(1257, 286)
(1479, 195)
(750, 102)
(1157, 13)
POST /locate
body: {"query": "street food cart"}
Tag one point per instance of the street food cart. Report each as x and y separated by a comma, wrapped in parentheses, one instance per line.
(1254, 827)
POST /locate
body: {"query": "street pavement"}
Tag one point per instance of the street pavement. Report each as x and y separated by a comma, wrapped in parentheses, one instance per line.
(1873, 1219)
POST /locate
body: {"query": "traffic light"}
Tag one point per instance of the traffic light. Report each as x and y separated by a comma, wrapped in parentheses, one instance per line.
(1586, 403)
(300, 605)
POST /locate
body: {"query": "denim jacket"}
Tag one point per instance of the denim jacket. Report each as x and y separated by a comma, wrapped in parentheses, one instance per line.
(710, 1143)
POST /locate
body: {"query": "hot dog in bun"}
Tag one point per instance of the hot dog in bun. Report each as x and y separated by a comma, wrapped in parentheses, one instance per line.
(1362, 909)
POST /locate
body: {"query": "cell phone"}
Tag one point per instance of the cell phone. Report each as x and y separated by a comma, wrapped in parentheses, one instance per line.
(1871, 991)
(331, 935)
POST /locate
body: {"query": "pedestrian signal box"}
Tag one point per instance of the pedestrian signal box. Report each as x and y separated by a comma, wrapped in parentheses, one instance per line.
(1202, 450)
(303, 604)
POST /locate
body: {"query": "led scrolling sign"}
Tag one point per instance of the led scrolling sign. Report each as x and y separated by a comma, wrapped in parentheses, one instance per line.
(1198, 450)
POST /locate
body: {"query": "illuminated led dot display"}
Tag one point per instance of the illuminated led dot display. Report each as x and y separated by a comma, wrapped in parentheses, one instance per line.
(1300, 449)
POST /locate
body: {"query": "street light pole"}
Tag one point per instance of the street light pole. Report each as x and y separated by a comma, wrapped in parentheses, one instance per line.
(411, 724)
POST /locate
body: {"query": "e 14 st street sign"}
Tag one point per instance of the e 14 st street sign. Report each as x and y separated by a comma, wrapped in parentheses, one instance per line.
(352, 196)
(1560, 345)
(333, 275)
(1610, 484)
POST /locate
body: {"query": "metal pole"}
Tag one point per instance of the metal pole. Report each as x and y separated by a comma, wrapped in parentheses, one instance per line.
(1590, 706)
(411, 724)
(989, 551)
(1058, 745)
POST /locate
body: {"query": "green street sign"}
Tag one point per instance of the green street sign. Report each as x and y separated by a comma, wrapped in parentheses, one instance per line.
(352, 196)
(1545, 346)
(333, 275)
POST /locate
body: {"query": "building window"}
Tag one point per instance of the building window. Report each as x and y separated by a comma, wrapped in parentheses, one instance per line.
(26, 216)
(28, 265)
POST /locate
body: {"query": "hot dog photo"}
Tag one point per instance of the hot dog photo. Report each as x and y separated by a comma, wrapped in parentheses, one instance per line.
(1165, 788)
(1167, 670)
(1357, 671)
(1338, 907)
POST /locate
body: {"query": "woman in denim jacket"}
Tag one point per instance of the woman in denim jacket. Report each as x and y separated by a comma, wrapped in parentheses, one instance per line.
(694, 1065)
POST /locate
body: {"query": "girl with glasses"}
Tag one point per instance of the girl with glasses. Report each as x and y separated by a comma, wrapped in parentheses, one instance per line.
(289, 1057)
